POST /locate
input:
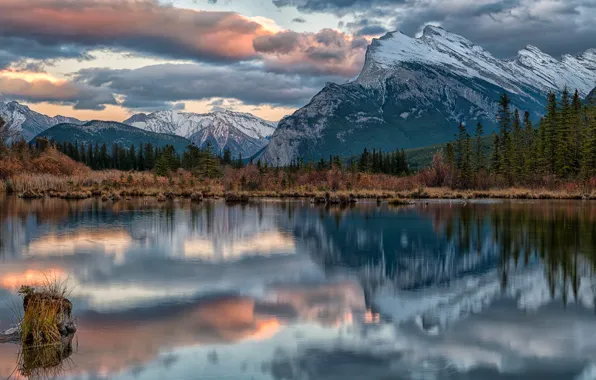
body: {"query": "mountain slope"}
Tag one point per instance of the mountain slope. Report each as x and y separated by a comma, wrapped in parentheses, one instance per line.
(592, 96)
(413, 92)
(242, 133)
(102, 132)
(29, 122)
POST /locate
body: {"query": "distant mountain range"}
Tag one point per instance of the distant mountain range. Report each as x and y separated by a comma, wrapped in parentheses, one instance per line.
(592, 96)
(413, 92)
(241, 133)
(109, 133)
(29, 122)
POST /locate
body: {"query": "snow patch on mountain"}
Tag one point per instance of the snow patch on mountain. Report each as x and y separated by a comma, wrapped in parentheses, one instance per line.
(242, 133)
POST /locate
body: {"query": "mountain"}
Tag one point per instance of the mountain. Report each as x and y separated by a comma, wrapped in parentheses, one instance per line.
(413, 92)
(592, 96)
(242, 133)
(29, 122)
(103, 132)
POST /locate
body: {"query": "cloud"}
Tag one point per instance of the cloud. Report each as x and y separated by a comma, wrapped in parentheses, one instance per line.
(39, 87)
(158, 86)
(142, 25)
(327, 52)
(503, 27)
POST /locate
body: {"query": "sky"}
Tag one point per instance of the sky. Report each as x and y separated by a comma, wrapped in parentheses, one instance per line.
(109, 59)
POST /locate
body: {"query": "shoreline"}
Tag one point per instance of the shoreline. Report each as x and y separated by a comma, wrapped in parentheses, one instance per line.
(338, 197)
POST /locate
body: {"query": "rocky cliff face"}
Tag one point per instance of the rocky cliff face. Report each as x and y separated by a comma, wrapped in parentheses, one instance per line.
(414, 91)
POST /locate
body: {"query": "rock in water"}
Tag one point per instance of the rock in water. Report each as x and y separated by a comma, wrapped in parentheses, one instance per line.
(48, 318)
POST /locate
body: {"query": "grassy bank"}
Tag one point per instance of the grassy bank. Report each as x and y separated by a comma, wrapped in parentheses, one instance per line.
(115, 185)
(44, 173)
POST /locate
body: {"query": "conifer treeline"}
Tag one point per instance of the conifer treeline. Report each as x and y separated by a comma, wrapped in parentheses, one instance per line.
(146, 157)
(395, 163)
(377, 162)
(562, 147)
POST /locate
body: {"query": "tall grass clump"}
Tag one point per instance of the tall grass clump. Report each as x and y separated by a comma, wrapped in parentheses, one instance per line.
(47, 313)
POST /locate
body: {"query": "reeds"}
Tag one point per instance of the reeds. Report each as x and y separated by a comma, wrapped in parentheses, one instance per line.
(45, 312)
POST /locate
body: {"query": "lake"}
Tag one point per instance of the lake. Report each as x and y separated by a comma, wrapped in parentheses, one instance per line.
(284, 290)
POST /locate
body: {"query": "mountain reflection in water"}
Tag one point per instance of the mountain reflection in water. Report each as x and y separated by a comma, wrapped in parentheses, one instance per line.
(289, 290)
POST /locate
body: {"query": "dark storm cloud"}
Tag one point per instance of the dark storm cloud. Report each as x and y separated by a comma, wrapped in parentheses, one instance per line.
(158, 86)
(502, 27)
(14, 50)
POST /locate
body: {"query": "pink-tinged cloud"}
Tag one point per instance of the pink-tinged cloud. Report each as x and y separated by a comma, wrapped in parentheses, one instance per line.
(327, 52)
(147, 26)
(138, 25)
(36, 87)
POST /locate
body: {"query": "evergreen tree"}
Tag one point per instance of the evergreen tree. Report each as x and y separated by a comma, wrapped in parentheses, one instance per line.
(479, 156)
(529, 151)
(504, 151)
(495, 160)
(550, 135)
(149, 156)
(517, 145)
(141, 159)
(563, 137)
(450, 155)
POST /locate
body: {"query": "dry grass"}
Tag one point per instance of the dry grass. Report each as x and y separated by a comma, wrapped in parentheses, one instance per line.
(45, 362)
(399, 202)
(67, 180)
(44, 307)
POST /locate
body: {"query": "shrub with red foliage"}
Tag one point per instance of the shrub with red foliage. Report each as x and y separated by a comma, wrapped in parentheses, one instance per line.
(53, 162)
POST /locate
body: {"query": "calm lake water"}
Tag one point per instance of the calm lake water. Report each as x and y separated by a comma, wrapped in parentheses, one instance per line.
(289, 290)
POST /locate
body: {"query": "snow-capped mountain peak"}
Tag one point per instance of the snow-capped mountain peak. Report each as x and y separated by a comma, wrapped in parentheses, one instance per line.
(242, 133)
(414, 91)
(29, 122)
(532, 68)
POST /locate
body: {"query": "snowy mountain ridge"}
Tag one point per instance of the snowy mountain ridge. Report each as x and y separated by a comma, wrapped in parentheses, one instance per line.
(28, 122)
(531, 68)
(242, 133)
(413, 92)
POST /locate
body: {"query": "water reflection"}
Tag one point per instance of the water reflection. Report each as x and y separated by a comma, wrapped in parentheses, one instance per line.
(288, 290)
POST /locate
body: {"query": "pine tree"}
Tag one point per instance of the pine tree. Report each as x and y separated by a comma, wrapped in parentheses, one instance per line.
(465, 179)
(550, 134)
(141, 159)
(460, 146)
(588, 167)
(149, 156)
(504, 151)
(479, 156)
(576, 132)
(450, 155)
(528, 148)
(563, 137)
(495, 160)
(517, 144)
